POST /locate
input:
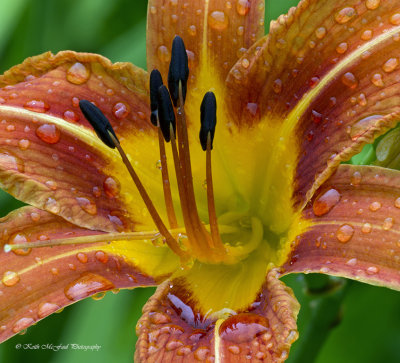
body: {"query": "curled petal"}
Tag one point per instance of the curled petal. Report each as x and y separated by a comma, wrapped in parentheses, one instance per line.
(36, 282)
(354, 227)
(172, 327)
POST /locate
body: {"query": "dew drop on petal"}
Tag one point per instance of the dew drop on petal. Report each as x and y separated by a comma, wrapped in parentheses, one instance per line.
(101, 256)
(78, 73)
(35, 217)
(240, 30)
(9, 161)
(372, 270)
(277, 86)
(234, 349)
(163, 54)
(372, 4)
(218, 20)
(387, 223)
(99, 295)
(344, 233)
(111, 187)
(325, 202)
(48, 133)
(341, 48)
(366, 35)
(355, 178)
(86, 285)
(54, 271)
(344, 15)
(397, 202)
(377, 80)
(37, 106)
(374, 206)
(22, 324)
(349, 80)
(192, 30)
(390, 65)
(243, 7)
(46, 309)
(395, 19)
(245, 63)
(320, 32)
(88, 205)
(10, 278)
(82, 257)
(366, 228)
(18, 239)
(71, 116)
(243, 327)
(24, 144)
(52, 205)
(10, 128)
(120, 110)
(351, 262)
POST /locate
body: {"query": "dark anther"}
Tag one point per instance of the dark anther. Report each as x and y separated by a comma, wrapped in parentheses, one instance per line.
(98, 121)
(155, 83)
(178, 70)
(166, 113)
(208, 119)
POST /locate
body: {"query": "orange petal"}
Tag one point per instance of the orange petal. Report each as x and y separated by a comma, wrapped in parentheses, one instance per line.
(39, 281)
(355, 227)
(216, 33)
(49, 154)
(326, 72)
(171, 329)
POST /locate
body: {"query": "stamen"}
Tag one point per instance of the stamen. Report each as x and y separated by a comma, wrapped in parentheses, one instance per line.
(106, 133)
(178, 70)
(155, 83)
(166, 113)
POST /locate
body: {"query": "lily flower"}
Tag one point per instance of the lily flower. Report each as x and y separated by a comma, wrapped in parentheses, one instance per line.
(213, 221)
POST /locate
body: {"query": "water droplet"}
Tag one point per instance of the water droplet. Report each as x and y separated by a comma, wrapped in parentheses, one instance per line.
(71, 266)
(395, 19)
(372, 4)
(201, 353)
(390, 65)
(277, 86)
(351, 262)
(344, 233)
(320, 32)
(245, 63)
(88, 205)
(173, 344)
(243, 327)
(387, 223)
(314, 81)
(243, 7)
(163, 54)
(366, 35)
(325, 202)
(78, 73)
(218, 20)
(19, 238)
(341, 48)
(362, 99)
(22, 324)
(372, 270)
(240, 30)
(23, 144)
(37, 106)
(101, 256)
(54, 271)
(111, 187)
(51, 184)
(234, 349)
(82, 257)
(10, 128)
(46, 309)
(355, 178)
(52, 205)
(374, 206)
(192, 30)
(316, 117)
(397, 202)
(377, 80)
(366, 228)
(349, 80)
(70, 116)
(35, 217)
(86, 285)
(121, 110)
(99, 295)
(344, 15)
(8, 161)
(153, 10)
(359, 128)
(48, 133)
(10, 278)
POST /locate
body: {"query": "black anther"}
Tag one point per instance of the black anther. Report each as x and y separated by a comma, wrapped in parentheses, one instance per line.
(208, 119)
(155, 83)
(166, 113)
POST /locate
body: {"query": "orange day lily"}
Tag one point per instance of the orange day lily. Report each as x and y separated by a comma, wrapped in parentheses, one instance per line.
(291, 106)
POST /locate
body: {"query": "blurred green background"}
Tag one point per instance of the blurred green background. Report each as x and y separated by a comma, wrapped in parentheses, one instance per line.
(367, 321)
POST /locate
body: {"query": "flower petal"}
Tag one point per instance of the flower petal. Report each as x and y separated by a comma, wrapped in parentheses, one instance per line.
(325, 74)
(39, 281)
(49, 154)
(355, 227)
(171, 328)
(216, 33)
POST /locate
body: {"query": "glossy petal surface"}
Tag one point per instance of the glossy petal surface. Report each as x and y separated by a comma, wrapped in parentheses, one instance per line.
(356, 216)
(172, 330)
(39, 281)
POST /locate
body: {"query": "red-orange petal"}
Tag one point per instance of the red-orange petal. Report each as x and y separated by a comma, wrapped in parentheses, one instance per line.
(326, 72)
(355, 229)
(171, 330)
(49, 154)
(39, 281)
(216, 33)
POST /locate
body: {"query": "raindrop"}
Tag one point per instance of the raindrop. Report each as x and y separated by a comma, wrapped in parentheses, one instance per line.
(387, 223)
(397, 202)
(96, 191)
(10, 128)
(277, 86)
(395, 19)
(78, 73)
(245, 63)
(320, 32)
(344, 15)
(372, 4)
(316, 117)
(35, 217)
(325, 202)
(48, 133)
(366, 228)
(99, 295)
(22, 324)
(243, 7)
(351, 262)
(163, 54)
(349, 80)
(121, 110)
(10, 278)
(37, 106)
(390, 65)
(372, 270)
(192, 30)
(54, 271)
(47, 309)
(82, 257)
(153, 10)
(218, 20)
(234, 349)
(377, 80)
(344, 233)
(355, 178)
(8, 161)
(88, 205)
(101, 256)
(240, 30)
(374, 206)
(70, 116)
(86, 285)
(18, 239)
(52, 205)
(23, 144)
(341, 48)
(111, 187)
